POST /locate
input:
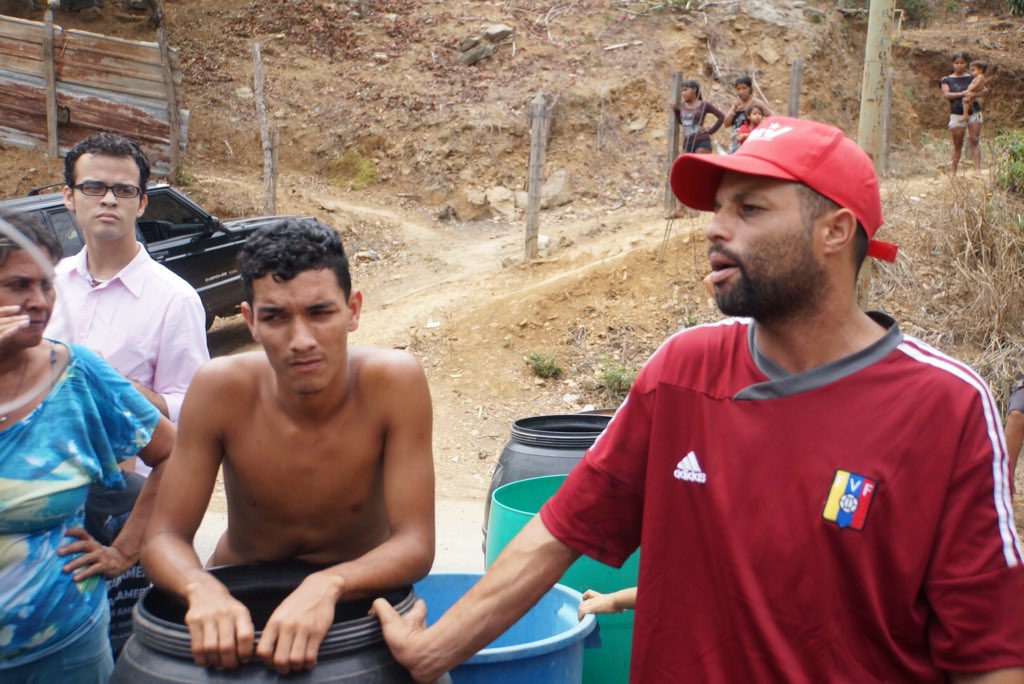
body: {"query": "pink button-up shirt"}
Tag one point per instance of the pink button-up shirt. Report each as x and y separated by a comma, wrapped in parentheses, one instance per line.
(146, 322)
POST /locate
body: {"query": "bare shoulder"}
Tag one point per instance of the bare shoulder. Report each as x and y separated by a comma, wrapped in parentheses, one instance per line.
(385, 363)
(388, 375)
(228, 375)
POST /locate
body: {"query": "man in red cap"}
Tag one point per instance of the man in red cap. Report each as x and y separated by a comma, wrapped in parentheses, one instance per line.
(801, 518)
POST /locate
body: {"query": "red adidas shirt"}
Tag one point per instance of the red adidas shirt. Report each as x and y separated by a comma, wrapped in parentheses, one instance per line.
(848, 524)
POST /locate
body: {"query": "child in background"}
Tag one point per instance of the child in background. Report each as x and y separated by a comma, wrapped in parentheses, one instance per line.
(973, 91)
(738, 112)
(755, 115)
(596, 602)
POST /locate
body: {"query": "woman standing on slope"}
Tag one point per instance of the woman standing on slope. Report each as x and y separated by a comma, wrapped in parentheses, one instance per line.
(741, 106)
(954, 87)
(690, 114)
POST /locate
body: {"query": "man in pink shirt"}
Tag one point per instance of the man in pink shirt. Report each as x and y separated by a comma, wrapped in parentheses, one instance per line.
(145, 321)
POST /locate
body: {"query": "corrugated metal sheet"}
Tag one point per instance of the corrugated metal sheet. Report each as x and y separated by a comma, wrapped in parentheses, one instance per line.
(102, 84)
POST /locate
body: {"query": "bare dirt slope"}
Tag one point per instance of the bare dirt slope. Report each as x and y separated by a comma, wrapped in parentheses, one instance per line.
(441, 269)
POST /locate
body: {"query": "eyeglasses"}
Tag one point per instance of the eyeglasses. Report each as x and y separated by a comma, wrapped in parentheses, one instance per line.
(97, 189)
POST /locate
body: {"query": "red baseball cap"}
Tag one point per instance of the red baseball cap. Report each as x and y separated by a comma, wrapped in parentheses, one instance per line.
(801, 150)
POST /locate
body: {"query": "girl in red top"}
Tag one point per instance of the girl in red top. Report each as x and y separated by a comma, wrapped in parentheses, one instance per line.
(754, 117)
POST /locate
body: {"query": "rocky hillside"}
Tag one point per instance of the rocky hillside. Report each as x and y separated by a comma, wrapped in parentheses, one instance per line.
(377, 96)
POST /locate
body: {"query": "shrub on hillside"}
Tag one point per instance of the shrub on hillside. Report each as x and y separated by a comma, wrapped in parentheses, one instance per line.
(616, 379)
(915, 12)
(352, 170)
(543, 366)
(1009, 154)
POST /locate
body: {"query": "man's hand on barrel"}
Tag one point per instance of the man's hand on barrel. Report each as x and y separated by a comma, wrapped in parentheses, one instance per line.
(219, 625)
(405, 636)
(291, 640)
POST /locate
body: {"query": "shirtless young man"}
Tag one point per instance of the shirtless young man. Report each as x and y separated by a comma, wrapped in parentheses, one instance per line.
(326, 451)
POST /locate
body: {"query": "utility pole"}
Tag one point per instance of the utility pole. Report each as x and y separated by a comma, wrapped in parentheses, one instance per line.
(872, 107)
(876, 62)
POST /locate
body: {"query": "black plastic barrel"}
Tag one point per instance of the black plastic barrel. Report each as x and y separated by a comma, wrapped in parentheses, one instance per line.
(543, 445)
(353, 650)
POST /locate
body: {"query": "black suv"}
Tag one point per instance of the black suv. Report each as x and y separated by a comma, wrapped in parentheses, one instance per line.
(176, 232)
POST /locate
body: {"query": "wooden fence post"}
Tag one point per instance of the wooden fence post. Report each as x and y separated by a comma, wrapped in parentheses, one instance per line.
(538, 142)
(795, 80)
(673, 141)
(173, 108)
(269, 170)
(51, 87)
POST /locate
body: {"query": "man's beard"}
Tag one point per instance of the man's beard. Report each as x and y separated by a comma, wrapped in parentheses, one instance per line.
(778, 281)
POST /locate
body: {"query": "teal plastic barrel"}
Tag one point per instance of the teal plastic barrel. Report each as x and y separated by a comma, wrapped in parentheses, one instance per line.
(512, 506)
(545, 646)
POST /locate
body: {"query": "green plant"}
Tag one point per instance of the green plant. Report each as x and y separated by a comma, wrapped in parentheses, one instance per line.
(1016, 7)
(916, 12)
(185, 179)
(353, 170)
(1010, 165)
(616, 379)
(543, 366)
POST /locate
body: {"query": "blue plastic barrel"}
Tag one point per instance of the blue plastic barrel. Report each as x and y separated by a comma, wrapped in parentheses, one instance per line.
(544, 647)
(512, 506)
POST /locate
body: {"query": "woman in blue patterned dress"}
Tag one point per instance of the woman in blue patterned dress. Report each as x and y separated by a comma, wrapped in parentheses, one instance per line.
(66, 420)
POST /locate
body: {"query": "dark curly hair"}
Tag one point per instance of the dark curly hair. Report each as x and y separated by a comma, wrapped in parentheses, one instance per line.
(290, 246)
(107, 145)
(33, 230)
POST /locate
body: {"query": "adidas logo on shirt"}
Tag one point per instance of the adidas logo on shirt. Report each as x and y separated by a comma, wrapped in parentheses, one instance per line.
(689, 470)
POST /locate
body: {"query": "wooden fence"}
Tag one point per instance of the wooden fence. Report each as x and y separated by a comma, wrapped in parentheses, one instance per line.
(58, 86)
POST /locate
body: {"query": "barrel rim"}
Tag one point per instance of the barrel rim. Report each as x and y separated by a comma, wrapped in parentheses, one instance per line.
(173, 639)
(523, 483)
(542, 431)
(577, 633)
(597, 420)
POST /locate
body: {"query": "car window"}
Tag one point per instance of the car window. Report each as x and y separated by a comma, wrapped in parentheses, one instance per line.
(66, 230)
(163, 207)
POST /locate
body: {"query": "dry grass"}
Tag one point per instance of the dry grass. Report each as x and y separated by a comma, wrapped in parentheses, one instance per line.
(960, 275)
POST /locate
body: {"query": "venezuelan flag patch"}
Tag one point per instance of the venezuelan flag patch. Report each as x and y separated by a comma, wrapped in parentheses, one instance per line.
(849, 500)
